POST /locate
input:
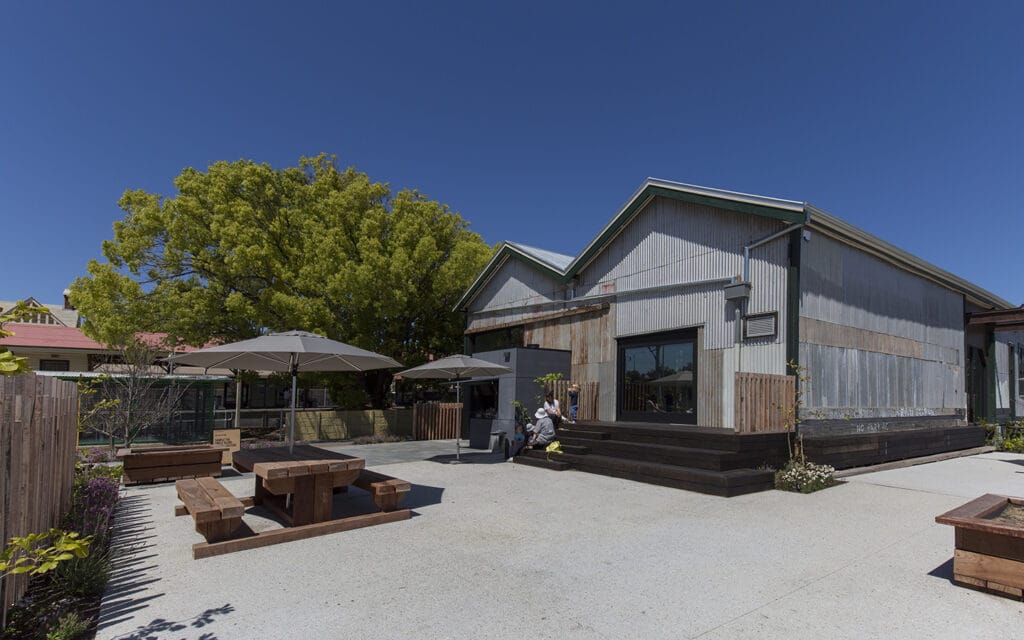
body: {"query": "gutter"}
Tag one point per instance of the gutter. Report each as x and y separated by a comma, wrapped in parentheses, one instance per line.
(603, 297)
(767, 239)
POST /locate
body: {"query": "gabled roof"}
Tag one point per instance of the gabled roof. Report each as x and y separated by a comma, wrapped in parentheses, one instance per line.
(786, 211)
(65, 317)
(554, 260)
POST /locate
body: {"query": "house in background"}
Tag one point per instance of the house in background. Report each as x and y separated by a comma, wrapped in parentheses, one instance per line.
(694, 304)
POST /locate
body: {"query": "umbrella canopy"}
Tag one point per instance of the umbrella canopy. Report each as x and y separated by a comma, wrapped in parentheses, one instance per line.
(453, 368)
(288, 351)
(285, 351)
(457, 366)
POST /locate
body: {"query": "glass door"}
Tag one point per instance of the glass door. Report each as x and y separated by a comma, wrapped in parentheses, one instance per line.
(658, 378)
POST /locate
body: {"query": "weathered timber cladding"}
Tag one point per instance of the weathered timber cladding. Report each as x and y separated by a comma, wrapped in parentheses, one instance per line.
(38, 436)
(588, 336)
(764, 403)
(709, 384)
(876, 341)
(437, 420)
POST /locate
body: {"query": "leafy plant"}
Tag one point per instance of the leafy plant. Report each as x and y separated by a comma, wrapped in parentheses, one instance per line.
(84, 577)
(92, 505)
(804, 477)
(70, 626)
(39, 553)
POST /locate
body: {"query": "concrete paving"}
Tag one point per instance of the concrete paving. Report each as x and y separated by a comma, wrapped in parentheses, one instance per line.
(498, 550)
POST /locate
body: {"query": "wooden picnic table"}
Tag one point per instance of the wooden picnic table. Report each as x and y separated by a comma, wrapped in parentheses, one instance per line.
(308, 474)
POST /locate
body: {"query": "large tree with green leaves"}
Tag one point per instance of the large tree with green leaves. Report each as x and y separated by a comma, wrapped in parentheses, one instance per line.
(244, 248)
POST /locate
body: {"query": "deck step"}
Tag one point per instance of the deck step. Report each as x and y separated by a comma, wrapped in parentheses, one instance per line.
(539, 459)
(728, 483)
(699, 458)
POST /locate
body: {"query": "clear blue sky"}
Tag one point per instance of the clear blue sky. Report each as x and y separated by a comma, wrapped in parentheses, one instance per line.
(535, 122)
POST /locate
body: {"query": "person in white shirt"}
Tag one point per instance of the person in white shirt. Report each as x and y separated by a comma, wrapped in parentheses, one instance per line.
(552, 407)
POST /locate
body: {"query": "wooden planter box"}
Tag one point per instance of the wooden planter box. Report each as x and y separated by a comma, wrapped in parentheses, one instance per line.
(166, 463)
(989, 553)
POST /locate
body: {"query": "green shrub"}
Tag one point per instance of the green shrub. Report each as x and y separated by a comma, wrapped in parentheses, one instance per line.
(375, 439)
(70, 627)
(1013, 445)
(82, 577)
(804, 477)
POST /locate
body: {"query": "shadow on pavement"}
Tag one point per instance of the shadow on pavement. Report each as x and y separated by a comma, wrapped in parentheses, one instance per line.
(131, 575)
(944, 570)
(476, 457)
(158, 626)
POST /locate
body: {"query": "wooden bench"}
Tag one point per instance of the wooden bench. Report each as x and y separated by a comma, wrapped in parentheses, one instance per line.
(165, 463)
(217, 513)
(387, 492)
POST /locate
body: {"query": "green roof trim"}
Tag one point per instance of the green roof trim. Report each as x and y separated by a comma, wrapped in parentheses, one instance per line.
(786, 211)
(652, 189)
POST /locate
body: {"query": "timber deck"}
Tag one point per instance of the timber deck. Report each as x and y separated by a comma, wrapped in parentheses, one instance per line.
(724, 463)
(714, 461)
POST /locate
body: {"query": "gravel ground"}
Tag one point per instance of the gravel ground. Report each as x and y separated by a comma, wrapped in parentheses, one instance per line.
(498, 550)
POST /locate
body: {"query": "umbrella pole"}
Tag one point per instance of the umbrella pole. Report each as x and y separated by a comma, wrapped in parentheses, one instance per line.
(458, 427)
(295, 374)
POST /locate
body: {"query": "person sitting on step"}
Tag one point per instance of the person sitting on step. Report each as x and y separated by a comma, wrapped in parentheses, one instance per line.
(542, 431)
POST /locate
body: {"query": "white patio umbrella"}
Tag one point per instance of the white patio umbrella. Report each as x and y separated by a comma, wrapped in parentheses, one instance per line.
(455, 368)
(288, 351)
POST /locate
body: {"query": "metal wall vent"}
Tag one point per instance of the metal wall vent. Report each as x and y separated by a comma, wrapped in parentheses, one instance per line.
(764, 325)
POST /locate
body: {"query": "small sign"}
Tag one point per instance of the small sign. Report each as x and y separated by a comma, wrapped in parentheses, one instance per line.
(230, 438)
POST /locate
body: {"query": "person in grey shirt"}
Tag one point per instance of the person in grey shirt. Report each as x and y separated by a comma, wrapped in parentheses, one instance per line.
(542, 431)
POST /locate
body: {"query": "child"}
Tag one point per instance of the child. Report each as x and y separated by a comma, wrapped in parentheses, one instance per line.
(574, 402)
(518, 442)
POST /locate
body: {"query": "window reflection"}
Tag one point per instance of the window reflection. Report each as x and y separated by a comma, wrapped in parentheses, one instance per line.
(659, 381)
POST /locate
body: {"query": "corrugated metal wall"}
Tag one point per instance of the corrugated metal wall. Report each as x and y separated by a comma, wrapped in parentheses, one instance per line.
(876, 341)
(510, 293)
(1005, 369)
(667, 242)
(676, 242)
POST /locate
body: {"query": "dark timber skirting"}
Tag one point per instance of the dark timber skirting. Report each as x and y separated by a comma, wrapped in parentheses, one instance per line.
(859, 450)
(715, 461)
(724, 463)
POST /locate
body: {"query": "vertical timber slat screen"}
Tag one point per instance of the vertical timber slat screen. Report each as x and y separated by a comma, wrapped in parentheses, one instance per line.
(764, 402)
(588, 398)
(38, 439)
(437, 420)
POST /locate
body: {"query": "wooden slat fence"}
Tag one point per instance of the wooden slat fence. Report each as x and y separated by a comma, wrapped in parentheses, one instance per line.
(437, 420)
(765, 403)
(38, 437)
(588, 398)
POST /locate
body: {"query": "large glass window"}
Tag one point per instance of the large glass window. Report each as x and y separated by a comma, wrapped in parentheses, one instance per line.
(506, 338)
(658, 378)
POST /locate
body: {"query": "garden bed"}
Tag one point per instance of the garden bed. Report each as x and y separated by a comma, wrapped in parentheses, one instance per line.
(989, 544)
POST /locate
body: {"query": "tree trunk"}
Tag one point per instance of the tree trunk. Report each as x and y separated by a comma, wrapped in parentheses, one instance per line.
(377, 385)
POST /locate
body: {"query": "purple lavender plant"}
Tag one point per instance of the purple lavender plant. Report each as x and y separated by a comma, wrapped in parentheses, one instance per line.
(93, 505)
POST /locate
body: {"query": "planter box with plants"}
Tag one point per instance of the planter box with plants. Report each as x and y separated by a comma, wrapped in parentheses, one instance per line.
(989, 546)
(166, 463)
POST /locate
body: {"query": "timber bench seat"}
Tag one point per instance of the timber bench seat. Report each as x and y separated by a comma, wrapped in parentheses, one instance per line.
(165, 463)
(217, 513)
(387, 492)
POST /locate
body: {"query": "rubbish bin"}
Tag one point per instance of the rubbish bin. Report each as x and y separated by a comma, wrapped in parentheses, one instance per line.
(497, 441)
